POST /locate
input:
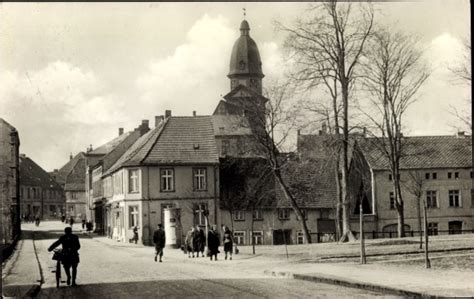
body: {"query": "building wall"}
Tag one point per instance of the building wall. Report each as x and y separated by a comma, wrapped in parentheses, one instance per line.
(151, 200)
(45, 203)
(443, 214)
(76, 205)
(9, 183)
(271, 222)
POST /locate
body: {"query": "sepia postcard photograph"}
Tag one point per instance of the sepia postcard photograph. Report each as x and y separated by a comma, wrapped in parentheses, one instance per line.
(315, 149)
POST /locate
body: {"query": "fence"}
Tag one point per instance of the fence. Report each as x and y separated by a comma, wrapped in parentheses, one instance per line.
(331, 237)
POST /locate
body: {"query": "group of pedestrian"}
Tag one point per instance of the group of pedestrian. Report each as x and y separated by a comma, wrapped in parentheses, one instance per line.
(30, 218)
(195, 241)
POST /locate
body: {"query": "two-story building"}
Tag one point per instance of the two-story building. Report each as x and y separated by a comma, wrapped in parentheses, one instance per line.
(173, 165)
(40, 195)
(437, 168)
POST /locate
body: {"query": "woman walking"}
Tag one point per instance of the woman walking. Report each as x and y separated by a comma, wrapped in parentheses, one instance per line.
(213, 242)
(228, 242)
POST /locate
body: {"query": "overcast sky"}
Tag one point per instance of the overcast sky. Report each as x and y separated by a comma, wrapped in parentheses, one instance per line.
(71, 74)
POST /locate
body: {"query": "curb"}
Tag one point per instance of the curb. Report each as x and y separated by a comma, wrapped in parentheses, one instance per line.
(349, 283)
(10, 262)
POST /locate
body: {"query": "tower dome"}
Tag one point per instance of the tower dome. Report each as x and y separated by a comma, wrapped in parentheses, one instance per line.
(245, 63)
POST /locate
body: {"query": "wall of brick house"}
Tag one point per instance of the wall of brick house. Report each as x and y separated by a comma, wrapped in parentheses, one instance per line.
(42, 202)
(441, 215)
(78, 204)
(270, 222)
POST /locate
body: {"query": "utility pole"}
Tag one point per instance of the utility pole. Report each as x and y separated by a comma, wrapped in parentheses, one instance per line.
(425, 219)
(362, 242)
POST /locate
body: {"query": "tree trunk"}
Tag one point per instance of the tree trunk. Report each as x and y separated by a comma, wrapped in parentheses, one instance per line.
(294, 205)
(399, 206)
(363, 259)
(338, 201)
(251, 233)
(425, 218)
(418, 211)
(347, 234)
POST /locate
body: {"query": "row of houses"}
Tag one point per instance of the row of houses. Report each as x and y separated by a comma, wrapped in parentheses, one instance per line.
(202, 165)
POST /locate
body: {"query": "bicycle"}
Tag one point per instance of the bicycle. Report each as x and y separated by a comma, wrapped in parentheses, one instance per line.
(57, 255)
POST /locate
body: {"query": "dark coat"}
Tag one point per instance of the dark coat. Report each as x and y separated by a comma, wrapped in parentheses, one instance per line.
(213, 242)
(159, 238)
(70, 244)
(201, 240)
(228, 241)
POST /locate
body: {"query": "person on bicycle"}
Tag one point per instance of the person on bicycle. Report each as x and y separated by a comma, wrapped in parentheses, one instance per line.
(70, 256)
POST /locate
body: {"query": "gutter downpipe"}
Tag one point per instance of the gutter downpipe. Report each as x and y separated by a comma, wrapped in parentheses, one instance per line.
(148, 202)
(372, 179)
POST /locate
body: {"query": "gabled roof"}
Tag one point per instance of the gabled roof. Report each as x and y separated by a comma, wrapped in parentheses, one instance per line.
(243, 91)
(184, 139)
(31, 174)
(72, 166)
(422, 152)
(119, 149)
(109, 146)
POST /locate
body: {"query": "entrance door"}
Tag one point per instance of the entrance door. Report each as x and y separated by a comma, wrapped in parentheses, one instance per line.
(281, 236)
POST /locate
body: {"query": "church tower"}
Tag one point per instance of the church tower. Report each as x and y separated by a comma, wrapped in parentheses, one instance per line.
(245, 63)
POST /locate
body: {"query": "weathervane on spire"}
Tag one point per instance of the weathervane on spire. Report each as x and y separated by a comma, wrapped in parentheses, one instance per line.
(245, 12)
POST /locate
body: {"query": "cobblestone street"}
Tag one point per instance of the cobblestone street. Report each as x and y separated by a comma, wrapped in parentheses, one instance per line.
(110, 269)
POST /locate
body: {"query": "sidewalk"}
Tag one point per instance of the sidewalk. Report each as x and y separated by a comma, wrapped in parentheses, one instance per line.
(21, 275)
(384, 278)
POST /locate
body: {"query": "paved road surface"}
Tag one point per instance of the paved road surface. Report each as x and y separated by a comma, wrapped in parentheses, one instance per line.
(111, 269)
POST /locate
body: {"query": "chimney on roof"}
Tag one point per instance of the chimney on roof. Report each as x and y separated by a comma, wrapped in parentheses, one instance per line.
(194, 112)
(120, 131)
(167, 113)
(144, 127)
(460, 134)
(364, 132)
(299, 132)
(70, 156)
(89, 149)
(23, 156)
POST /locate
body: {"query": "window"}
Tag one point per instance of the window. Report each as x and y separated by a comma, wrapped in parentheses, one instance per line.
(73, 195)
(225, 147)
(299, 237)
(389, 178)
(284, 214)
(167, 179)
(450, 175)
(433, 229)
(199, 179)
(434, 175)
(392, 201)
(431, 199)
(257, 238)
(133, 181)
(199, 210)
(163, 207)
(239, 237)
(34, 192)
(257, 215)
(454, 200)
(472, 174)
(133, 216)
(456, 175)
(52, 209)
(239, 215)
(455, 227)
(427, 175)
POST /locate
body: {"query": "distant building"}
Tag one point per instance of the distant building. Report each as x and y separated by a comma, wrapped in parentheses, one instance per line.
(72, 179)
(40, 195)
(173, 165)
(9, 183)
(442, 167)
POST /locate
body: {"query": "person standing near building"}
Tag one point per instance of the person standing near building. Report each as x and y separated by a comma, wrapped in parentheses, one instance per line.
(201, 240)
(159, 239)
(189, 241)
(228, 241)
(70, 256)
(213, 242)
(135, 234)
(71, 221)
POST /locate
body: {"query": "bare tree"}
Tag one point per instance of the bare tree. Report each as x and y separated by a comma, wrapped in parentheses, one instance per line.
(329, 46)
(394, 73)
(414, 185)
(271, 125)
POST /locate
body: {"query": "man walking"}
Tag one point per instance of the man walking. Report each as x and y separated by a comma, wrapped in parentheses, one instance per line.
(70, 255)
(159, 239)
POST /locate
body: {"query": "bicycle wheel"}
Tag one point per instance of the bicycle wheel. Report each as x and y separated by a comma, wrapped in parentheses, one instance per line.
(58, 273)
